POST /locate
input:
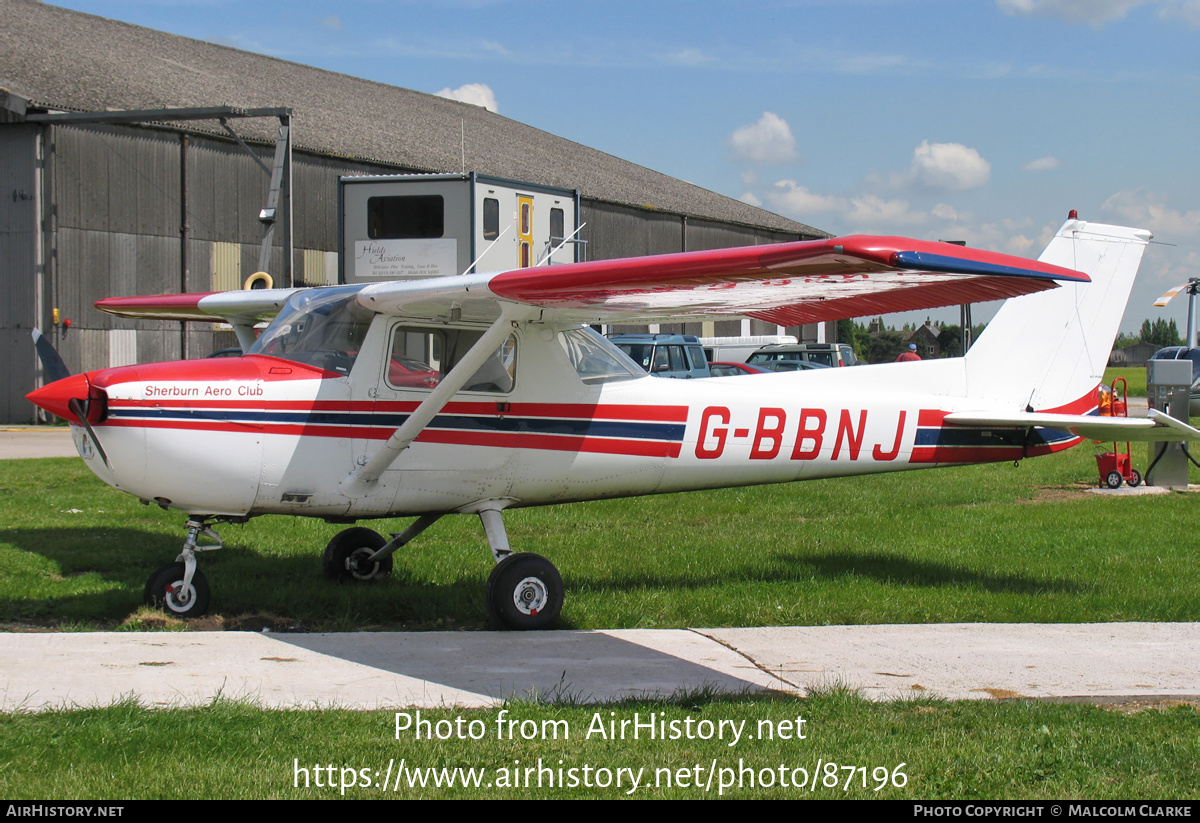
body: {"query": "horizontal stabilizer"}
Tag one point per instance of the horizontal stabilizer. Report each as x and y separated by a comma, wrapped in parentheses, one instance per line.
(1158, 427)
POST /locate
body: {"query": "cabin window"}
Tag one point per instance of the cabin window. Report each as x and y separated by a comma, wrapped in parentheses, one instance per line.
(595, 359)
(491, 218)
(557, 225)
(421, 357)
(526, 218)
(408, 216)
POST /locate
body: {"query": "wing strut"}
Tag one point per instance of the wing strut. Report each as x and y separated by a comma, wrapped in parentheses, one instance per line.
(402, 437)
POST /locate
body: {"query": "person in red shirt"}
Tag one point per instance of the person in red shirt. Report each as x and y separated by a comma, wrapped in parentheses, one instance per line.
(911, 354)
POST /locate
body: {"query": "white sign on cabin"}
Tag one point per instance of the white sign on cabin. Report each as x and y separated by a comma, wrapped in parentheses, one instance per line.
(405, 259)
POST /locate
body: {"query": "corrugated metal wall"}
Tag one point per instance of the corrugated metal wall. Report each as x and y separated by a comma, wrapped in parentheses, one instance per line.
(118, 194)
(19, 239)
(114, 229)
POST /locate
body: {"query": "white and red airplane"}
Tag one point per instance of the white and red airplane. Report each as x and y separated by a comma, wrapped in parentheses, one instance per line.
(483, 392)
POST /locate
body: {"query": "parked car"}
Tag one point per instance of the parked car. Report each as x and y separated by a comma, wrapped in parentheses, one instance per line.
(665, 355)
(1185, 353)
(724, 369)
(829, 354)
(793, 365)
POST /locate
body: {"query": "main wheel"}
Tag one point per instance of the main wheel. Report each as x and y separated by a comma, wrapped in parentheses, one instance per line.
(348, 556)
(1113, 480)
(165, 590)
(1135, 478)
(525, 592)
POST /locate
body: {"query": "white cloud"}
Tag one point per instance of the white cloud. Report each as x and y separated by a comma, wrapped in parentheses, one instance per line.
(861, 210)
(749, 197)
(1186, 10)
(872, 210)
(477, 94)
(1093, 12)
(687, 57)
(1150, 211)
(768, 141)
(948, 166)
(945, 212)
(795, 199)
(1042, 164)
(1018, 245)
(332, 22)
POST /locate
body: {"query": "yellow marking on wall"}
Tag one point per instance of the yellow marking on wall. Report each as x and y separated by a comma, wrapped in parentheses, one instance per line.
(226, 266)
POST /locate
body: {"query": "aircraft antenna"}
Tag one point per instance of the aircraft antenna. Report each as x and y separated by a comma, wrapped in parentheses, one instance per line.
(488, 249)
(564, 242)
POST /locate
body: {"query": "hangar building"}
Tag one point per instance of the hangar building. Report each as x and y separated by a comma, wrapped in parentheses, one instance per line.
(133, 161)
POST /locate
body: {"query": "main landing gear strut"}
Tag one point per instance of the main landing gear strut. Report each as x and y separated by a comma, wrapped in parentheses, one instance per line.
(524, 591)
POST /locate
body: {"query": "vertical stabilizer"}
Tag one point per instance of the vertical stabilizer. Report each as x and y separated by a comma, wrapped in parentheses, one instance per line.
(1047, 351)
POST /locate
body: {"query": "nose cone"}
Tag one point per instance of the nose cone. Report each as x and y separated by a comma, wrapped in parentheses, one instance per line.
(55, 396)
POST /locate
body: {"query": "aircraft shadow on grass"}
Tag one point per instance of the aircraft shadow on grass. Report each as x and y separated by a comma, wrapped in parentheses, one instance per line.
(902, 571)
(254, 582)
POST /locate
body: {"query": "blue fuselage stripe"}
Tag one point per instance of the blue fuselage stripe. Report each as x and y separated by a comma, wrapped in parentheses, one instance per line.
(671, 432)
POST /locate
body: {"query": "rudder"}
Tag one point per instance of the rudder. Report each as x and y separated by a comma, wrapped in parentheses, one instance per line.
(1048, 351)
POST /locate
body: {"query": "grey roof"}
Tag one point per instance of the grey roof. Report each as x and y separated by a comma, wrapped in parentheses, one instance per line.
(69, 60)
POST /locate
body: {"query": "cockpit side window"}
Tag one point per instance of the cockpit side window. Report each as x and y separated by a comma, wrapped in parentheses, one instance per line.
(421, 357)
(595, 359)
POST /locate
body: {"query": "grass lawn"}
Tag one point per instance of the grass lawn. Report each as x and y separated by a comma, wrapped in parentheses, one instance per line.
(1135, 378)
(987, 543)
(981, 543)
(851, 749)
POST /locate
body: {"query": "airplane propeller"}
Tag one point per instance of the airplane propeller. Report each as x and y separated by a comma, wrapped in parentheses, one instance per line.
(55, 371)
(52, 364)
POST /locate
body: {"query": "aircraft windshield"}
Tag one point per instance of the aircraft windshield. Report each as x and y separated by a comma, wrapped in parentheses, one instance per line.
(595, 359)
(320, 327)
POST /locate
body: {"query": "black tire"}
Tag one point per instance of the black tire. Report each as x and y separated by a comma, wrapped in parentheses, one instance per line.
(164, 591)
(345, 559)
(1135, 479)
(1113, 480)
(525, 592)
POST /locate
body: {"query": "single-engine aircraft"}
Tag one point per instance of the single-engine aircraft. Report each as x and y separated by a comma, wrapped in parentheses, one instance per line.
(478, 393)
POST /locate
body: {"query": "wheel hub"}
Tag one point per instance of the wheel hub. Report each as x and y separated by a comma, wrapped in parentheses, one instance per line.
(360, 565)
(530, 596)
(178, 596)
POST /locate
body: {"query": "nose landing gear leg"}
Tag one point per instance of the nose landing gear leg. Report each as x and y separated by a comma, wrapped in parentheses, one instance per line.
(180, 588)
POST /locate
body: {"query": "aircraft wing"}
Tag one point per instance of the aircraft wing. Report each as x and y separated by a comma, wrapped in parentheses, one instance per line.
(786, 283)
(1155, 428)
(234, 307)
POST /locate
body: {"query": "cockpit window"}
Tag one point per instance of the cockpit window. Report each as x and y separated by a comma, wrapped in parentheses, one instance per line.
(595, 359)
(324, 328)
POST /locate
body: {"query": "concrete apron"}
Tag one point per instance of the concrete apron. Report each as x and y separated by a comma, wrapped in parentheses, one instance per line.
(370, 670)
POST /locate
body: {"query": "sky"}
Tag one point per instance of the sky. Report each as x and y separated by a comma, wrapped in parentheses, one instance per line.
(976, 120)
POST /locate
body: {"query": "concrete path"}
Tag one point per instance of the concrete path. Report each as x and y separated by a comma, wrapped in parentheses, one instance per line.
(18, 442)
(429, 669)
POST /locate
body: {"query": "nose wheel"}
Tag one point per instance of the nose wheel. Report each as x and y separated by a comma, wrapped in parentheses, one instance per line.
(180, 588)
(168, 590)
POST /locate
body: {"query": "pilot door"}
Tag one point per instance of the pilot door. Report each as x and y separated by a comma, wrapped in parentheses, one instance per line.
(461, 456)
